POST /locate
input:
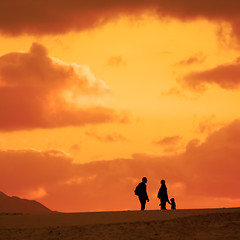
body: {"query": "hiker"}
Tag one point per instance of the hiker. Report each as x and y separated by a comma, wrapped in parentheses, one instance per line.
(163, 196)
(141, 192)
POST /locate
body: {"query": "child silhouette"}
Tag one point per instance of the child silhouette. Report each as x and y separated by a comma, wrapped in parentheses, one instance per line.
(173, 204)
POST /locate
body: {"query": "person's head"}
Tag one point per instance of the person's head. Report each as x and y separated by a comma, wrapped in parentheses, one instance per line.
(144, 179)
(172, 200)
(162, 181)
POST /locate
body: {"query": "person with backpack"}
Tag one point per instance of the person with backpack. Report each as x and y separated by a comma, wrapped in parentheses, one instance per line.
(141, 192)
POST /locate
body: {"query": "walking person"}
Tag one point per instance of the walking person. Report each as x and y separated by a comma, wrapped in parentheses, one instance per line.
(141, 192)
(162, 195)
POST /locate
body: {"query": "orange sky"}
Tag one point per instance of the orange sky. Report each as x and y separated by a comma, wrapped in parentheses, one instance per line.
(95, 95)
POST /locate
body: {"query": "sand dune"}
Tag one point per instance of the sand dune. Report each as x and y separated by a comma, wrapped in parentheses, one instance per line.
(18, 205)
(179, 224)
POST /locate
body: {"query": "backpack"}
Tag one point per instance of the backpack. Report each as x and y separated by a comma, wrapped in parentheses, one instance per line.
(137, 190)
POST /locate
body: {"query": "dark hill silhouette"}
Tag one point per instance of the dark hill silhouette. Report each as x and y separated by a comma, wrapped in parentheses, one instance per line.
(19, 205)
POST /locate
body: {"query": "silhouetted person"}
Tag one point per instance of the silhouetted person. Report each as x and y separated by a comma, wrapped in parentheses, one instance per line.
(141, 192)
(173, 204)
(163, 196)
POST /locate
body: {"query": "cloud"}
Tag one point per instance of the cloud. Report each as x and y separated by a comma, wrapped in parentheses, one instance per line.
(116, 61)
(207, 124)
(174, 91)
(208, 171)
(173, 140)
(53, 17)
(181, 94)
(226, 76)
(27, 171)
(37, 91)
(171, 144)
(112, 137)
(75, 147)
(214, 163)
(197, 58)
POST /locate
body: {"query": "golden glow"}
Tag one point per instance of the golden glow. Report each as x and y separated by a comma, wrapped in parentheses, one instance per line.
(148, 60)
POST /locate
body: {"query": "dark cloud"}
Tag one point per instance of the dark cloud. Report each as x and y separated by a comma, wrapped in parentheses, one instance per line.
(44, 17)
(226, 76)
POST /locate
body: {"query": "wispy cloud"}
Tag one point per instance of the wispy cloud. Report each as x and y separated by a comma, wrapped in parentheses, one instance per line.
(116, 61)
(111, 137)
(195, 59)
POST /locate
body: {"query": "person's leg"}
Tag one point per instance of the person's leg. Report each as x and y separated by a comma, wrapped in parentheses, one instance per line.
(163, 205)
(143, 203)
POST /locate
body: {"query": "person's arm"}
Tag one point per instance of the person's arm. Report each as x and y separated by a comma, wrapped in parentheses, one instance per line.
(147, 198)
(159, 193)
(146, 193)
(168, 198)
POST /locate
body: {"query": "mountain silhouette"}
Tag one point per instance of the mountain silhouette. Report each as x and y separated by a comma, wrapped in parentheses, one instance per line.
(19, 205)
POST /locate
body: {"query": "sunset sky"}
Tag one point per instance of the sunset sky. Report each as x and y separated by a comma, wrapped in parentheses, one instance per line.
(96, 94)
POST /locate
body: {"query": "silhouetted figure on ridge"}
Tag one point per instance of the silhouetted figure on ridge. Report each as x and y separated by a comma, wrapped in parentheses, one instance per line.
(173, 204)
(163, 196)
(141, 192)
